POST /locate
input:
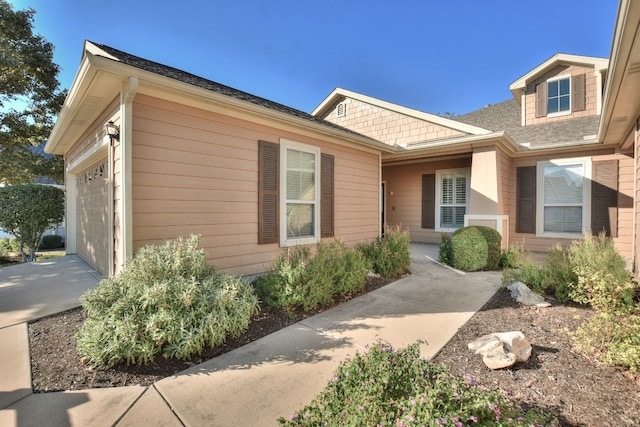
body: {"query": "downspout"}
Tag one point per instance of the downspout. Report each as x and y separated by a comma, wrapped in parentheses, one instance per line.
(129, 90)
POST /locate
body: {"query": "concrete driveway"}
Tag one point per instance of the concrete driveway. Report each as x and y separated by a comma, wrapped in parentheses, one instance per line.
(33, 290)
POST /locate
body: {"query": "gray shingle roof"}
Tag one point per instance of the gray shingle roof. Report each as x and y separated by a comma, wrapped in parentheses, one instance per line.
(192, 79)
(505, 116)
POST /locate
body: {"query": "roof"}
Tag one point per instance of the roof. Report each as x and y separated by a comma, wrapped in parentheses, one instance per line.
(621, 106)
(505, 116)
(103, 68)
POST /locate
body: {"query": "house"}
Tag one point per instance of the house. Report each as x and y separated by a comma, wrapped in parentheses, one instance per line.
(554, 162)
(187, 155)
(530, 167)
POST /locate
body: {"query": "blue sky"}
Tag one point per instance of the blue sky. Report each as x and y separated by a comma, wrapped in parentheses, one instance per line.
(434, 56)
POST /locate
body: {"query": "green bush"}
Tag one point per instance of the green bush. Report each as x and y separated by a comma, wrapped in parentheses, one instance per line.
(475, 247)
(514, 256)
(9, 245)
(444, 250)
(51, 242)
(299, 279)
(396, 387)
(603, 279)
(169, 302)
(389, 255)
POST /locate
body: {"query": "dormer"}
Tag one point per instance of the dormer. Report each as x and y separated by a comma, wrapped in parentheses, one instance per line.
(561, 88)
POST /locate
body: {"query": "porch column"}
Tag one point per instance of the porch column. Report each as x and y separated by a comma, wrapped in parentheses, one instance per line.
(486, 206)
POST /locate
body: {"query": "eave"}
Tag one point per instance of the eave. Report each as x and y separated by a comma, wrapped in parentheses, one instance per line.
(621, 107)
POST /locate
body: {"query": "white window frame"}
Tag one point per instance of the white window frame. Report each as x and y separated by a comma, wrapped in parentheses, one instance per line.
(439, 175)
(565, 112)
(586, 197)
(284, 146)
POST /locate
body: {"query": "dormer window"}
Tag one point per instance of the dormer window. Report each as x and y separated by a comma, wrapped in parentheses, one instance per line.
(559, 96)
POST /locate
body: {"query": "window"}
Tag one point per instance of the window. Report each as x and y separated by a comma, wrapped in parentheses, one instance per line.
(452, 197)
(300, 187)
(559, 95)
(564, 189)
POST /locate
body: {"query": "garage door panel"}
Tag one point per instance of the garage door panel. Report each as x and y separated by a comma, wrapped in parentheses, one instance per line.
(92, 216)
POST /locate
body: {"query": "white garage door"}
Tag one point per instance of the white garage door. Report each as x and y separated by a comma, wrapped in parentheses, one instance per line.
(92, 225)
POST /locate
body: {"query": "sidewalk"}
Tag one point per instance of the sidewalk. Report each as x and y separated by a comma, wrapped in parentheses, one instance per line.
(278, 374)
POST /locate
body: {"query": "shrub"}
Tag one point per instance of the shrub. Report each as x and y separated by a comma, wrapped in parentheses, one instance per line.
(514, 256)
(389, 255)
(300, 279)
(554, 277)
(444, 250)
(388, 386)
(615, 339)
(169, 302)
(475, 248)
(51, 242)
(603, 279)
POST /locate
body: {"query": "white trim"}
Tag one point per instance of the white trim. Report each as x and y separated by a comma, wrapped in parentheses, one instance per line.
(556, 79)
(129, 90)
(70, 214)
(586, 197)
(284, 146)
(484, 217)
(439, 174)
(95, 152)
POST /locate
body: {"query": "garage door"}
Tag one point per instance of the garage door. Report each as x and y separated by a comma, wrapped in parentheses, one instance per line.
(92, 225)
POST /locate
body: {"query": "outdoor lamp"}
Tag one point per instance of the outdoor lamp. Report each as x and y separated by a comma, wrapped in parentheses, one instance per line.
(112, 130)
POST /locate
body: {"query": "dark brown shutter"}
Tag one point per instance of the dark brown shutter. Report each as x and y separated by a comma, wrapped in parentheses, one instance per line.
(604, 197)
(429, 201)
(526, 200)
(541, 100)
(268, 189)
(578, 93)
(326, 195)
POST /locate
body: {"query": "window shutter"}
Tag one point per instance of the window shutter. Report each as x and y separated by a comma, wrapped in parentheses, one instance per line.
(326, 195)
(526, 200)
(429, 201)
(604, 197)
(578, 93)
(268, 192)
(541, 100)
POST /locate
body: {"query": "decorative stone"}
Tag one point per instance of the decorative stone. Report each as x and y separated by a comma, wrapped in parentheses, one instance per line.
(503, 349)
(522, 294)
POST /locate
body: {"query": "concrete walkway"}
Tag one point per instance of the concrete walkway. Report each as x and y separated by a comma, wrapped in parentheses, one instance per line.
(276, 375)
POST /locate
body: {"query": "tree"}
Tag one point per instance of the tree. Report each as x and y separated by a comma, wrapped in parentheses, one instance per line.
(29, 99)
(27, 211)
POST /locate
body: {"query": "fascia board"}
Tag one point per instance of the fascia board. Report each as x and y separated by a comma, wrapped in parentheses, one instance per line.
(78, 88)
(452, 124)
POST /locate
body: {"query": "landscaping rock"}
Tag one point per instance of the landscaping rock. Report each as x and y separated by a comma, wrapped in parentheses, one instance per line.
(522, 294)
(502, 350)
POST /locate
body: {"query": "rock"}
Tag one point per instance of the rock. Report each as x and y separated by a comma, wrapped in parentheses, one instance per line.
(502, 350)
(522, 294)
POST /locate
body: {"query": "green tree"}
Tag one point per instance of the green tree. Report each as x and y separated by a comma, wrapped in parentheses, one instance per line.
(29, 99)
(27, 211)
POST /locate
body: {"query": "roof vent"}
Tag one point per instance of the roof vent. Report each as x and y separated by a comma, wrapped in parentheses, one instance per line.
(341, 109)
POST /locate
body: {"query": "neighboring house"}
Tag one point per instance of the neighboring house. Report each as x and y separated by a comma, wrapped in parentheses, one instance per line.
(252, 176)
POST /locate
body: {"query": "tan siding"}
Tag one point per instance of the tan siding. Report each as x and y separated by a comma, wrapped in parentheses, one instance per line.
(404, 207)
(385, 125)
(624, 239)
(196, 172)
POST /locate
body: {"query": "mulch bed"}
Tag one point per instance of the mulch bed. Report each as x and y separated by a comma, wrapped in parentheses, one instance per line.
(558, 379)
